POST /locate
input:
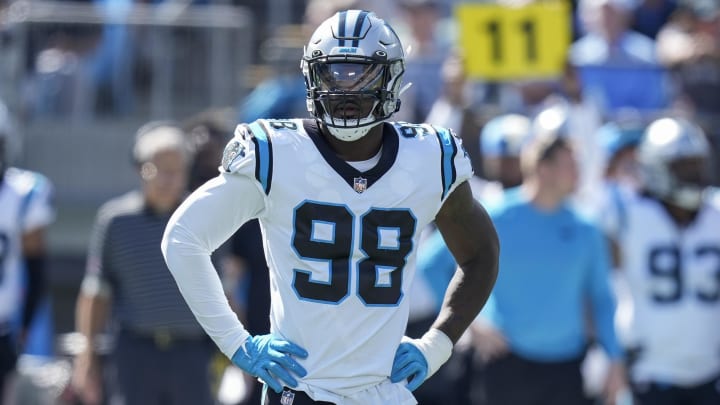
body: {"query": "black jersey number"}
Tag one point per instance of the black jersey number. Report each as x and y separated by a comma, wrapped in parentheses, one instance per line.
(324, 233)
(4, 251)
(666, 264)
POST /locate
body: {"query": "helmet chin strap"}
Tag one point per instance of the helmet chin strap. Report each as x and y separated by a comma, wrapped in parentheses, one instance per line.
(351, 134)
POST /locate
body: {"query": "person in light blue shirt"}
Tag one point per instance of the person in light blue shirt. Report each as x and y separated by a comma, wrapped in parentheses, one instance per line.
(555, 269)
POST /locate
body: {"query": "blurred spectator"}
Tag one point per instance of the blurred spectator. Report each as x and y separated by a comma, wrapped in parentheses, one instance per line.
(532, 332)
(501, 140)
(208, 133)
(161, 354)
(622, 176)
(670, 250)
(651, 15)
(452, 109)
(617, 66)
(578, 121)
(25, 204)
(619, 141)
(690, 47)
(419, 33)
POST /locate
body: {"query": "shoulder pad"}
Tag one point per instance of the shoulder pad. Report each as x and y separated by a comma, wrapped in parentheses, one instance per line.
(250, 152)
(237, 147)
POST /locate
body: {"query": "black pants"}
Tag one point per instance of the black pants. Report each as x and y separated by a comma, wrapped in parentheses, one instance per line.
(517, 381)
(175, 372)
(8, 359)
(298, 398)
(660, 394)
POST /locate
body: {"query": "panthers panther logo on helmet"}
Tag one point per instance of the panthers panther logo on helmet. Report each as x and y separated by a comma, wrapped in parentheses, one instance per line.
(353, 66)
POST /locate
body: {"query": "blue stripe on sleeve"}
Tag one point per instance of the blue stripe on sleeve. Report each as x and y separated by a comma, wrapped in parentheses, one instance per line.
(449, 150)
(262, 155)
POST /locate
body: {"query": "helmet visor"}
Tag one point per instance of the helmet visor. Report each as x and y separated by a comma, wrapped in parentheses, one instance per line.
(348, 77)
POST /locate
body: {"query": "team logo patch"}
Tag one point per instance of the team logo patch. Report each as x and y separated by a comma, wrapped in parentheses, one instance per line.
(287, 398)
(359, 184)
(232, 150)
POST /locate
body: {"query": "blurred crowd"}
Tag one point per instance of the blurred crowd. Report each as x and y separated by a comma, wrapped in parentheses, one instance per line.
(570, 151)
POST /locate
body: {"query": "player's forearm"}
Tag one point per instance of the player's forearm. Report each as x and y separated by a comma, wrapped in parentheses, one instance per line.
(36, 287)
(467, 293)
(473, 241)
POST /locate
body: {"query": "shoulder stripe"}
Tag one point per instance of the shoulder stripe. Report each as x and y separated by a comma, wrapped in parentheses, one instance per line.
(263, 155)
(448, 151)
(341, 29)
(358, 28)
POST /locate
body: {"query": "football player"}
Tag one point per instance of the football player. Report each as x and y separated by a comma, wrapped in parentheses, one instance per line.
(341, 200)
(670, 255)
(25, 211)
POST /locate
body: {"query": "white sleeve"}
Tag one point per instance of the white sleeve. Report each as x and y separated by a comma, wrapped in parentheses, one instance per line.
(205, 220)
(40, 212)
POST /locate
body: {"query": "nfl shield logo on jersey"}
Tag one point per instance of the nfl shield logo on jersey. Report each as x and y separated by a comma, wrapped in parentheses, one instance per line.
(287, 398)
(359, 184)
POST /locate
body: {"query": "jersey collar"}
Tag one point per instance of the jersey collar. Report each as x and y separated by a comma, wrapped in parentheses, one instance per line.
(348, 173)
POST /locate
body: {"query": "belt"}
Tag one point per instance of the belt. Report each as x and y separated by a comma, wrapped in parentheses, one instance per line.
(163, 339)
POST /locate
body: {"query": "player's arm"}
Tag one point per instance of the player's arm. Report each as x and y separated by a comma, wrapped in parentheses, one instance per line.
(37, 214)
(472, 239)
(205, 220)
(92, 310)
(91, 314)
(34, 253)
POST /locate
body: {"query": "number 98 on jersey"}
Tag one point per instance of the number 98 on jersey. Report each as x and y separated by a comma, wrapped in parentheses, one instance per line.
(507, 43)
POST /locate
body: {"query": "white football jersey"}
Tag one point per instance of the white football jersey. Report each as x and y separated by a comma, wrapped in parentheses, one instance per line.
(673, 275)
(319, 211)
(24, 206)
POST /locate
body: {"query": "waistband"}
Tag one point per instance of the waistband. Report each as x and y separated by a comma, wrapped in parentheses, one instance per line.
(164, 339)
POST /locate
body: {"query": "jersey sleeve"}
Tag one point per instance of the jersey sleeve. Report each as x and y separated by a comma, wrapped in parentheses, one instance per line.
(455, 161)
(204, 221)
(39, 210)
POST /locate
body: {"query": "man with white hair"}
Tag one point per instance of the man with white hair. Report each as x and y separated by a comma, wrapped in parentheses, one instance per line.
(161, 354)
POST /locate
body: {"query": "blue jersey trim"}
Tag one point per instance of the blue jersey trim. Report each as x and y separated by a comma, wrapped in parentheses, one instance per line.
(448, 153)
(263, 156)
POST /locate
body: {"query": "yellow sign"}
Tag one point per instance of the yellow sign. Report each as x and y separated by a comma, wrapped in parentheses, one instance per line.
(505, 43)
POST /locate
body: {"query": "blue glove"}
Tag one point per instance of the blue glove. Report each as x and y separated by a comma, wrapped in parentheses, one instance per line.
(409, 363)
(270, 359)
